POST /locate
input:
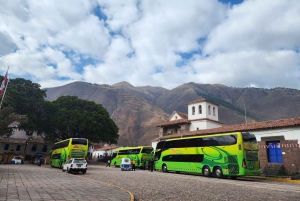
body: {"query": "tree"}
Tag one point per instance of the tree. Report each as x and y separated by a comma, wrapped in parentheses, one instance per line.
(26, 98)
(69, 116)
(9, 121)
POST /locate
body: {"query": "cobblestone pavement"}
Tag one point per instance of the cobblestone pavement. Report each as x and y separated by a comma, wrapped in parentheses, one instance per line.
(32, 182)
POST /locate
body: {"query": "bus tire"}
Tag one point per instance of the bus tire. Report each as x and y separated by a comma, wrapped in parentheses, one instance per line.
(83, 171)
(68, 170)
(206, 171)
(218, 172)
(164, 168)
(115, 164)
(233, 177)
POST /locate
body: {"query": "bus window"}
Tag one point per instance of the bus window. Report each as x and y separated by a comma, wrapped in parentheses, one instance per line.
(226, 140)
(123, 152)
(248, 137)
(114, 155)
(169, 145)
(134, 151)
(55, 156)
(79, 141)
(147, 150)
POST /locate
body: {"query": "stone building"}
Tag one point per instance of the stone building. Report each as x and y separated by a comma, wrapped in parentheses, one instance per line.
(22, 145)
(10, 147)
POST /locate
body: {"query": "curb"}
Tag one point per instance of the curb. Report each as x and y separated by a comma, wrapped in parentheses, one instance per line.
(284, 180)
(288, 180)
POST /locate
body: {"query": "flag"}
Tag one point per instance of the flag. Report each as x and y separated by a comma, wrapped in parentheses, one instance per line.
(3, 85)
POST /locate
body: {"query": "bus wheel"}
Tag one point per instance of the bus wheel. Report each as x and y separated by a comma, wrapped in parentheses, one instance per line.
(115, 164)
(164, 168)
(233, 177)
(218, 172)
(206, 171)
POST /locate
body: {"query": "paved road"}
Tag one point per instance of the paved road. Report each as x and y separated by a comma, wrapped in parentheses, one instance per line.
(159, 186)
(32, 182)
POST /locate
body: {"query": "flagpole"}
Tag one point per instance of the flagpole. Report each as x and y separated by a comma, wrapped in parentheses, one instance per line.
(5, 87)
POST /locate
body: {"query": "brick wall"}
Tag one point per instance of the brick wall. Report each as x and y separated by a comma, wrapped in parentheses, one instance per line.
(290, 154)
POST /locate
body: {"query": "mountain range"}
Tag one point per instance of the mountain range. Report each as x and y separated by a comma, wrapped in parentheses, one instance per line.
(138, 110)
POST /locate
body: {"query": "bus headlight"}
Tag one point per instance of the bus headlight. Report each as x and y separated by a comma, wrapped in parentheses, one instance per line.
(244, 164)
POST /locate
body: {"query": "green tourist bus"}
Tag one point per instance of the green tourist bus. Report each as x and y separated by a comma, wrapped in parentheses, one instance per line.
(140, 154)
(63, 150)
(229, 154)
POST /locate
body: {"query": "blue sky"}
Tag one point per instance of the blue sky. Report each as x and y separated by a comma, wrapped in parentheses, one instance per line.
(166, 43)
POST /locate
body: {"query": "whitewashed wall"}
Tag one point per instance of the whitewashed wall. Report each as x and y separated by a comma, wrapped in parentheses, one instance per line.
(203, 124)
(288, 133)
(205, 113)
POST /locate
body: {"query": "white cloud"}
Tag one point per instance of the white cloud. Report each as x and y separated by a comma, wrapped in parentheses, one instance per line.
(255, 43)
(119, 13)
(251, 68)
(260, 25)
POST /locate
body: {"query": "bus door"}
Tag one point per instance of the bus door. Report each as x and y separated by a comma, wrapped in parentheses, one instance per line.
(158, 150)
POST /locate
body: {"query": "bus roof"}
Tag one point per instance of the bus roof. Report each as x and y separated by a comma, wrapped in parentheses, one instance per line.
(137, 147)
(201, 136)
(70, 138)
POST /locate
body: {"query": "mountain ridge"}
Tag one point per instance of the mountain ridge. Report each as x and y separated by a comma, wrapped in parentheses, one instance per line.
(137, 110)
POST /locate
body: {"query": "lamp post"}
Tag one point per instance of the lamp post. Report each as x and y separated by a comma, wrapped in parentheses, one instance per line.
(160, 132)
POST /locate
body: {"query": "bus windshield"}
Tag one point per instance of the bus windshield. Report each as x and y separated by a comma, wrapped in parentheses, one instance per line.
(248, 137)
(79, 141)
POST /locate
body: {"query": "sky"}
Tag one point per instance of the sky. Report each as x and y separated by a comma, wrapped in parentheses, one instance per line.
(164, 43)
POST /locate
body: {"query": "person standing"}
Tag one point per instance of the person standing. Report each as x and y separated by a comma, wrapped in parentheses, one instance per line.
(144, 164)
(40, 161)
(133, 165)
(151, 165)
(108, 163)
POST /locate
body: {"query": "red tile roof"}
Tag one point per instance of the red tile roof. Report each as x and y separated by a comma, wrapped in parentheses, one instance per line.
(183, 121)
(36, 140)
(282, 123)
(182, 115)
(174, 122)
(106, 148)
(97, 147)
(12, 140)
(202, 100)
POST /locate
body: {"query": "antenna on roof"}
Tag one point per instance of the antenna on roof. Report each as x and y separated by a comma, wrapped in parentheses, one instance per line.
(245, 113)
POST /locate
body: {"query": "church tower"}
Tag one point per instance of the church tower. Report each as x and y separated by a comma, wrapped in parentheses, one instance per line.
(203, 114)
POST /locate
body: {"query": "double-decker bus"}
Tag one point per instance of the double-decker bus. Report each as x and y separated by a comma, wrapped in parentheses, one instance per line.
(140, 154)
(63, 150)
(228, 154)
